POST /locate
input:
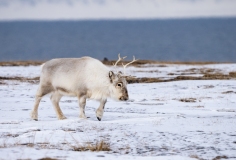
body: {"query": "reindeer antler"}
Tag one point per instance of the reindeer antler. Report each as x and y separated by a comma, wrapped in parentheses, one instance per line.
(120, 59)
(129, 63)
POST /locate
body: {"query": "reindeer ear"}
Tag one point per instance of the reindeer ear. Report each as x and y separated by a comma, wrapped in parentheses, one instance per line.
(119, 74)
(111, 76)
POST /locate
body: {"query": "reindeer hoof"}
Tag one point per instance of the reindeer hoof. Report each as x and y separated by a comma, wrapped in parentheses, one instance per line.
(62, 118)
(34, 116)
(99, 114)
(83, 117)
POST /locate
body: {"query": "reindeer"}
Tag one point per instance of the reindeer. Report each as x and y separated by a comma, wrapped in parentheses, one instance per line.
(84, 78)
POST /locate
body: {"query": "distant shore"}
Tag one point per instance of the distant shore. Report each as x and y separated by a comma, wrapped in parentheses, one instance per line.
(111, 62)
(196, 71)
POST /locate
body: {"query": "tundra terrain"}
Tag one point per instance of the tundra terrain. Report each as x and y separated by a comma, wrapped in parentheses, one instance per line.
(175, 111)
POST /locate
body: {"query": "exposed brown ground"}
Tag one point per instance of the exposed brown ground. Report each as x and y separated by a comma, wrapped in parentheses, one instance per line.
(137, 63)
(179, 78)
(162, 63)
(21, 79)
(131, 80)
(21, 63)
(208, 74)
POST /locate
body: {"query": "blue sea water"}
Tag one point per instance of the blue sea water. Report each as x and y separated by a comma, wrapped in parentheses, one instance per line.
(212, 39)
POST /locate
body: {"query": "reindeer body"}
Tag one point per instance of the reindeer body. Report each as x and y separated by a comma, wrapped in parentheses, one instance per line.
(80, 77)
(76, 77)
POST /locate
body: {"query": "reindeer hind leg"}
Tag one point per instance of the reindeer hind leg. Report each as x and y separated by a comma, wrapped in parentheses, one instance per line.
(55, 98)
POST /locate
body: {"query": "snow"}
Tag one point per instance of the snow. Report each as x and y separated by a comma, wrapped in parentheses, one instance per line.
(148, 70)
(163, 71)
(20, 71)
(153, 124)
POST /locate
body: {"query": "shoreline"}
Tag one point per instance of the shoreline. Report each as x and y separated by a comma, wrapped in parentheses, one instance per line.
(158, 71)
(111, 62)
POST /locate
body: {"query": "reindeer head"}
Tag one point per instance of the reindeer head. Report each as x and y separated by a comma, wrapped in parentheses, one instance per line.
(119, 87)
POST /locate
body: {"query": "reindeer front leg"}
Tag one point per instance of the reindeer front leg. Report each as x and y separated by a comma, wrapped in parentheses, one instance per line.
(82, 103)
(100, 110)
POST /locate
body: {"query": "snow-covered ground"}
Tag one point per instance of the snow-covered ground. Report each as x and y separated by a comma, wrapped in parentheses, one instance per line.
(165, 71)
(171, 120)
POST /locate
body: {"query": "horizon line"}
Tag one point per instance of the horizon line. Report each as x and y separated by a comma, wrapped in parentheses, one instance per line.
(119, 19)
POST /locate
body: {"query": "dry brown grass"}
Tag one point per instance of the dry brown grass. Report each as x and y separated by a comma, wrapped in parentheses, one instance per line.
(21, 79)
(161, 63)
(21, 63)
(232, 74)
(179, 78)
(110, 62)
(203, 71)
(208, 73)
(143, 80)
(131, 80)
(220, 157)
(48, 158)
(98, 146)
(228, 92)
(188, 100)
(216, 76)
(195, 157)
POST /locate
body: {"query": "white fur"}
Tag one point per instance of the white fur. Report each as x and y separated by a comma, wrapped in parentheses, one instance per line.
(81, 77)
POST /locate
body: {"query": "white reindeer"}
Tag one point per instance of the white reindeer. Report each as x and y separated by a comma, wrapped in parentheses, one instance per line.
(82, 78)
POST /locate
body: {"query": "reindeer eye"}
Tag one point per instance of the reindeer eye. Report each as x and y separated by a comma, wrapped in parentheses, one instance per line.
(119, 84)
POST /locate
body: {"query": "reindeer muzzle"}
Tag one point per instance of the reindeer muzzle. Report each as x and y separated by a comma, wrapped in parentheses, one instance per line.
(123, 98)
